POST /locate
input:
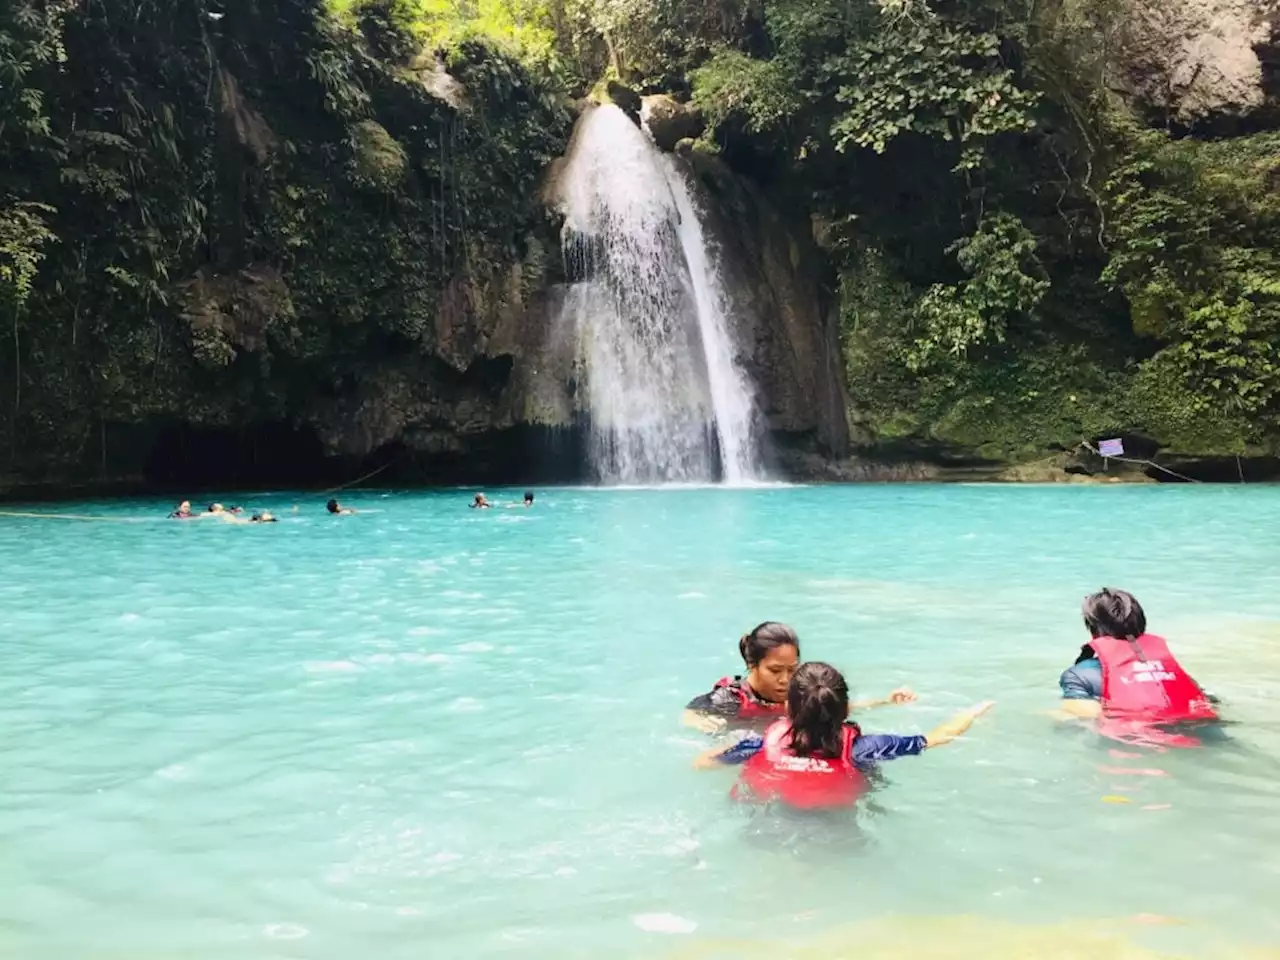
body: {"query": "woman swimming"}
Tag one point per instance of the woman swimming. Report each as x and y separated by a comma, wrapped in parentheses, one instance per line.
(813, 758)
(771, 653)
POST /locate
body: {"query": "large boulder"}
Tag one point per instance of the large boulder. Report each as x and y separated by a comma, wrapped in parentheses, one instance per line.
(669, 121)
(1195, 62)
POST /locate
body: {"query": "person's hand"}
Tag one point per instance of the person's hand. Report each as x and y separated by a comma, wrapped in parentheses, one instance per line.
(981, 708)
(903, 695)
(707, 723)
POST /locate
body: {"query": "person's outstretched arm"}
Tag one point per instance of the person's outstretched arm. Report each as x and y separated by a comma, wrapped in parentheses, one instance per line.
(1078, 710)
(901, 695)
(957, 725)
(739, 752)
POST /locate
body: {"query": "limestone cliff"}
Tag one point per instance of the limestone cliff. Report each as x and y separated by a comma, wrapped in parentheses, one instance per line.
(1195, 62)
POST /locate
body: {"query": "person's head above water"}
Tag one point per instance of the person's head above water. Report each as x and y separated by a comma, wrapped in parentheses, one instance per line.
(480, 501)
(333, 507)
(184, 506)
(215, 508)
(771, 652)
(1113, 613)
(817, 705)
(528, 498)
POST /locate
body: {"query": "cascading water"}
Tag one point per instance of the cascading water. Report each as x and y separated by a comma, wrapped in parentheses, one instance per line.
(666, 400)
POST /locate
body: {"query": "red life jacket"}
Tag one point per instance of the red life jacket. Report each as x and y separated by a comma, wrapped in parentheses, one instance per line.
(749, 707)
(805, 783)
(1142, 682)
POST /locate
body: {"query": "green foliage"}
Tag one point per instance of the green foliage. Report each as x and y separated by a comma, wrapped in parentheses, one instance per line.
(1006, 283)
(1194, 234)
(923, 75)
(732, 85)
(402, 28)
(23, 235)
(859, 76)
(254, 212)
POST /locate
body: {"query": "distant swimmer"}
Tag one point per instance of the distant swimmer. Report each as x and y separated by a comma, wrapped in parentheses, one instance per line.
(481, 502)
(217, 511)
(1128, 679)
(337, 509)
(771, 653)
(183, 512)
(814, 758)
(263, 517)
(528, 498)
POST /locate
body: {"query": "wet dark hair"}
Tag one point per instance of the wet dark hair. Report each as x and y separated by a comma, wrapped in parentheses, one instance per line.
(528, 496)
(1113, 613)
(332, 506)
(818, 704)
(755, 646)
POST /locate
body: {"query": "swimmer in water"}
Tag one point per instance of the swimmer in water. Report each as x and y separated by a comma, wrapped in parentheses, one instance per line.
(813, 758)
(338, 510)
(771, 653)
(528, 498)
(183, 512)
(480, 502)
(263, 517)
(217, 511)
(1127, 679)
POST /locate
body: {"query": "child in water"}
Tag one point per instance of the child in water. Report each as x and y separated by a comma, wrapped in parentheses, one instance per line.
(1128, 681)
(814, 758)
(771, 653)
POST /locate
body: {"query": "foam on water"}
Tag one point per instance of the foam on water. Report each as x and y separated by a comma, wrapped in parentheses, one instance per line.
(428, 732)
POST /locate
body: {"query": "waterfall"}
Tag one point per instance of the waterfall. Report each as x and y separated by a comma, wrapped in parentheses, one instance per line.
(666, 399)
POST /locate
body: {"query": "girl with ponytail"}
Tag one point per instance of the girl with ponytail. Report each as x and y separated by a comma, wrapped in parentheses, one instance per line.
(813, 758)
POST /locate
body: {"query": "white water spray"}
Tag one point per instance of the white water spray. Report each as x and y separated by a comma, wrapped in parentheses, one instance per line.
(666, 398)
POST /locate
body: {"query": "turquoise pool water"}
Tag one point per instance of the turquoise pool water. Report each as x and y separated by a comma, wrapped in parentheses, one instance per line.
(428, 731)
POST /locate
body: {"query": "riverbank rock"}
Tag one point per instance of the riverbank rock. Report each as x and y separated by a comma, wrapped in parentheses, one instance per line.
(1196, 62)
(669, 121)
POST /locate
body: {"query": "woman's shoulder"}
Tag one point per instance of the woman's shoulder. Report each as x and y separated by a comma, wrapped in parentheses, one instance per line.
(726, 693)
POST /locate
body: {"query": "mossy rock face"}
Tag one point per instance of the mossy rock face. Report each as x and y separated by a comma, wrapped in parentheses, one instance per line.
(670, 122)
(380, 162)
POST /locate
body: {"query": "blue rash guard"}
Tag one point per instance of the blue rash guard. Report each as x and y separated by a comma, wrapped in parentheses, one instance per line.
(867, 749)
(1082, 681)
